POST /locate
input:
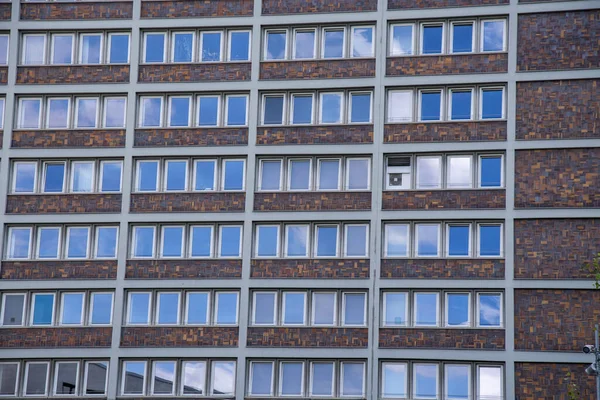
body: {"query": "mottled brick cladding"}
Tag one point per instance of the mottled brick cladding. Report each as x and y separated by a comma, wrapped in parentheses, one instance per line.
(548, 381)
(63, 203)
(3, 75)
(188, 202)
(83, 10)
(330, 134)
(444, 199)
(568, 109)
(74, 74)
(279, 7)
(307, 337)
(205, 72)
(179, 336)
(183, 269)
(555, 248)
(476, 131)
(471, 268)
(196, 8)
(5, 11)
(63, 269)
(464, 339)
(191, 137)
(559, 40)
(317, 69)
(561, 178)
(310, 268)
(411, 4)
(555, 319)
(312, 201)
(47, 138)
(447, 64)
(51, 337)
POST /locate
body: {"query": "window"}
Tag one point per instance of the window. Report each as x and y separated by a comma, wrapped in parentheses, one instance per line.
(182, 47)
(490, 381)
(401, 39)
(36, 378)
(261, 379)
(72, 309)
(432, 38)
(30, 113)
(490, 240)
(211, 44)
(425, 381)
(62, 49)
(163, 377)
(2, 103)
(395, 309)
(168, 308)
(90, 48)
(4, 41)
(493, 37)
(334, 42)
(492, 103)
(426, 311)
(96, 378)
(489, 306)
(134, 378)
(304, 43)
(9, 371)
(66, 378)
(430, 105)
(34, 49)
(154, 47)
(42, 309)
(275, 45)
(13, 309)
(462, 37)
(394, 379)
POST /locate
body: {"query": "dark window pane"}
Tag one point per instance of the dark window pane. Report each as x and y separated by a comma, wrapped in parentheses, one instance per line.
(211, 46)
(155, 48)
(458, 241)
(96, 378)
(491, 103)
(361, 107)
(431, 106)
(461, 105)
(458, 309)
(36, 379)
(66, 378)
(119, 49)
(54, 179)
(462, 38)
(491, 171)
(239, 46)
(273, 110)
(8, 379)
(13, 310)
(432, 39)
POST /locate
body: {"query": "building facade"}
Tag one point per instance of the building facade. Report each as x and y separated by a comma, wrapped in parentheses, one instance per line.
(374, 199)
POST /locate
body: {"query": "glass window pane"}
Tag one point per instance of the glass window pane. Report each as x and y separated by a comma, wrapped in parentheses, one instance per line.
(490, 308)
(429, 172)
(83, 176)
(458, 381)
(329, 172)
(168, 308)
(119, 48)
(297, 241)
(333, 43)
(66, 378)
(30, 114)
(134, 378)
(172, 241)
(139, 307)
(25, 177)
(353, 376)
(101, 308)
(19, 243)
(489, 385)
(262, 379)
(432, 39)
(37, 375)
(114, 112)
(13, 310)
(111, 176)
(43, 308)
(48, 242)
(62, 49)
(227, 308)
(205, 175)
(426, 309)
(54, 178)
(147, 176)
(223, 378)
(331, 108)
(460, 174)
(358, 174)
(490, 237)
(8, 383)
(292, 376)
(394, 380)
(294, 305)
(299, 174)
(197, 308)
(490, 174)
(273, 114)
(356, 240)
(491, 103)
(239, 46)
(459, 239)
(58, 113)
(458, 309)
(396, 240)
(106, 242)
(327, 241)
(176, 175)
(33, 49)
(151, 111)
(264, 308)
(322, 379)
(77, 239)
(97, 373)
(234, 175)
(362, 42)
(360, 107)
(180, 111)
(493, 36)
(276, 45)
(354, 309)
(462, 38)
(230, 241)
(208, 111)
(72, 309)
(1, 112)
(270, 175)
(3, 51)
(155, 48)
(400, 106)
(211, 46)
(425, 380)
(236, 110)
(395, 309)
(87, 110)
(461, 104)
(91, 47)
(194, 377)
(304, 44)
(428, 240)
(302, 107)
(201, 241)
(183, 44)
(143, 241)
(324, 309)
(431, 106)
(402, 40)
(267, 241)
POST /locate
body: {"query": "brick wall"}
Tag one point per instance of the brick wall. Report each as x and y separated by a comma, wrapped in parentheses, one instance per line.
(63, 203)
(555, 248)
(445, 132)
(152, 73)
(75, 74)
(307, 337)
(548, 381)
(188, 202)
(5, 11)
(471, 268)
(196, 8)
(560, 40)
(3, 75)
(312, 201)
(555, 319)
(278, 7)
(562, 178)
(317, 69)
(437, 338)
(47, 138)
(19, 338)
(444, 199)
(567, 109)
(84, 10)
(63, 269)
(183, 269)
(179, 336)
(191, 137)
(310, 268)
(331, 134)
(447, 64)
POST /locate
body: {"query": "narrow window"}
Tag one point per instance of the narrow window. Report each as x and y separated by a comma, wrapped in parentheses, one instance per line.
(58, 113)
(261, 378)
(322, 379)
(400, 106)
(457, 381)
(193, 378)
(176, 175)
(461, 104)
(431, 105)
(267, 241)
(296, 244)
(183, 47)
(237, 107)
(30, 113)
(223, 378)
(36, 378)
(134, 378)
(357, 237)
(358, 174)
(143, 241)
(239, 46)
(333, 42)
(172, 242)
(264, 308)
(66, 378)
(13, 308)
(458, 310)
(294, 308)
(208, 110)
(227, 308)
(9, 372)
(151, 115)
(179, 110)
(428, 240)
(62, 49)
(147, 176)
(270, 175)
(459, 240)
(489, 309)
(54, 177)
(201, 241)
(101, 311)
(304, 44)
(139, 308)
(492, 103)
(197, 312)
(230, 239)
(276, 45)
(114, 112)
(327, 241)
(205, 172)
(291, 381)
(2, 103)
(110, 176)
(493, 36)
(48, 242)
(19, 243)
(72, 309)
(273, 109)
(299, 174)
(429, 172)
(426, 309)
(425, 381)
(396, 240)
(302, 109)
(462, 37)
(119, 48)
(490, 171)
(233, 174)
(432, 39)
(87, 113)
(4, 40)
(34, 47)
(460, 172)
(402, 43)
(78, 242)
(96, 374)
(106, 241)
(354, 309)
(154, 47)
(211, 45)
(395, 309)
(489, 382)
(82, 176)
(362, 41)
(90, 51)
(331, 108)
(324, 308)
(25, 176)
(353, 379)
(490, 240)
(394, 378)
(329, 174)
(360, 107)
(168, 308)
(43, 309)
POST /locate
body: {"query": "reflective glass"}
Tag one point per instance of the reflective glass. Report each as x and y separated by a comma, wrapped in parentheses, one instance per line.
(458, 381)
(299, 174)
(490, 237)
(395, 309)
(176, 175)
(226, 308)
(58, 113)
(151, 111)
(119, 48)
(106, 238)
(134, 377)
(333, 46)
(462, 38)
(302, 109)
(360, 107)
(425, 380)
(72, 308)
(493, 35)
(234, 175)
(208, 111)
(49, 239)
(353, 376)
(101, 308)
(490, 171)
(54, 178)
(155, 48)
(183, 44)
(168, 308)
(197, 308)
(394, 380)
(264, 308)
(458, 309)
(262, 377)
(459, 240)
(144, 241)
(324, 310)
(297, 238)
(331, 108)
(327, 241)
(62, 49)
(270, 175)
(329, 171)
(267, 237)
(87, 110)
(273, 114)
(91, 47)
(230, 241)
(205, 175)
(461, 104)
(275, 45)
(402, 40)
(432, 39)
(236, 110)
(362, 42)
(77, 242)
(322, 379)
(354, 309)
(427, 240)
(304, 44)
(25, 177)
(490, 308)
(426, 309)
(139, 307)
(239, 46)
(491, 103)
(291, 378)
(114, 113)
(172, 241)
(30, 113)
(147, 176)
(83, 176)
(43, 307)
(180, 111)
(294, 305)
(211, 46)
(431, 106)
(396, 240)
(201, 241)
(194, 377)
(111, 176)
(356, 240)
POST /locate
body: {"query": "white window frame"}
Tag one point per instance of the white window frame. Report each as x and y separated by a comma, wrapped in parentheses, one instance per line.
(406, 309)
(278, 240)
(85, 376)
(275, 304)
(229, 36)
(473, 24)
(459, 90)
(73, 44)
(96, 117)
(251, 378)
(70, 119)
(84, 305)
(215, 174)
(266, 41)
(24, 48)
(344, 323)
(283, 298)
(303, 30)
(105, 104)
(55, 385)
(212, 377)
(133, 240)
(289, 174)
(232, 95)
(138, 175)
(339, 177)
(17, 376)
(109, 46)
(112, 304)
(448, 170)
(414, 379)
(22, 115)
(316, 241)
(335, 308)
(224, 169)
(72, 173)
(7, 36)
(142, 108)
(349, 112)
(333, 378)
(285, 251)
(145, 44)
(101, 59)
(502, 378)
(264, 108)
(477, 310)
(237, 308)
(391, 40)
(187, 307)
(219, 121)
(96, 239)
(422, 26)
(32, 305)
(212, 241)
(437, 309)
(469, 322)
(172, 52)
(102, 164)
(481, 90)
(479, 163)
(420, 104)
(470, 240)
(221, 45)
(302, 379)
(501, 225)
(416, 242)
(383, 377)
(470, 378)
(3, 308)
(342, 108)
(347, 178)
(374, 38)
(87, 247)
(26, 377)
(342, 363)
(221, 241)
(482, 35)
(166, 175)
(408, 240)
(440, 172)
(344, 42)
(38, 242)
(14, 175)
(144, 380)
(260, 174)
(182, 380)
(366, 255)
(129, 304)
(153, 376)
(291, 106)
(157, 311)
(170, 108)
(9, 245)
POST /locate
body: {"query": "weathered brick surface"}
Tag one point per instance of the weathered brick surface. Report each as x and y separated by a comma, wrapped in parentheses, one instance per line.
(312, 201)
(475, 131)
(559, 40)
(183, 269)
(555, 319)
(63, 203)
(409, 4)
(188, 202)
(179, 336)
(561, 178)
(76, 74)
(63, 269)
(447, 64)
(80, 10)
(555, 248)
(191, 137)
(318, 134)
(437, 338)
(49, 138)
(3, 75)
(307, 337)
(205, 72)
(53, 337)
(444, 199)
(310, 268)
(567, 109)
(548, 381)
(317, 69)
(467, 268)
(278, 7)
(5, 11)
(196, 8)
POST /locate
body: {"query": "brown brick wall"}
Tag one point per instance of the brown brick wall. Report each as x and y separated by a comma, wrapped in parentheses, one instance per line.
(555, 248)
(278, 7)
(447, 64)
(437, 338)
(76, 74)
(561, 178)
(408, 4)
(444, 199)
(179, 336)
(548, 381)
(183, 269)
(310, 268)
(560, 40)
(5, 11)
(188, 202)
(312, 201)
(19, 338)
(63, 203)
(555, 319)
(558, 109)
(63, 269)
(196, 8)
(191, 137)
(476, 131)
(83, 10)
(47, 138)
(3, 75)
(317, 69)
(472, 268)
(206, 72)
(318, 134)
(307, 337)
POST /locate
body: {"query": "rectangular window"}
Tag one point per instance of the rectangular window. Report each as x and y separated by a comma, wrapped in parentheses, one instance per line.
(457, 381)
(163, 378)
(151, 112)
(211, 46)
(233, 176)
(4, 40)
(291, 379)
(275, 45)
(296, 241)
(273, 108)
(491, 103)
(48, 243)
(208, 110)
(13, 309)
(176, 175)
(193, 380)
(223, 378)
(354, 309)
(226, 308)
(183, 47)
(96, 378)
(101, 308)
(396, 240)
(239, 46)
(114, 112)
(432, 38)
(462, 37)
(34, 49)
(458, 309)
(9, 371)
(179, 111)
(36, 378)
(90, 48)
(329, 174)
(490, 171)
(143, 241)
(154, 47)
(458, 240)
(78, 242)
(230, 238)
(324, 309)
(267, 241)
(493, 37)
(395, 309)
(167, 308)
(427, 240)
(430, 105)
(331, 108)
(82, 176)
(326, 241)
(270, 175)
(459, 172)
(62, 49)
(54, 177)
(334, 42)
(236, 110)
(394, 380)
(147, 176)
(300, 174)
(322, 379)
(58, 113)
(429, 172)
(42, 309)
(118, 52)
(66, 378)
(19, 243)
(294, 308)
(72, 309)
(357, 237)
(261, 379)
(197, 308)
(358, 174)
(353, 379)
(400, 106)
(264, 308)
(205, 172)
(201, 241)
(172, 245)
(489, 382)
(106, 242)
(360, 107)
(489, 310)
(461, 104)
(302, 109)
(490, 240)
(425, 381)
(2, 104)
(30, 116)
(402, 40)
(304, 44)
(111, 173)
(362, 41)
(138, 312)
(426, 311)
(133, 381)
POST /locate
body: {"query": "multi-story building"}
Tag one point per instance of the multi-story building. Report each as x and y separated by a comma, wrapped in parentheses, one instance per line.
(374, 199)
